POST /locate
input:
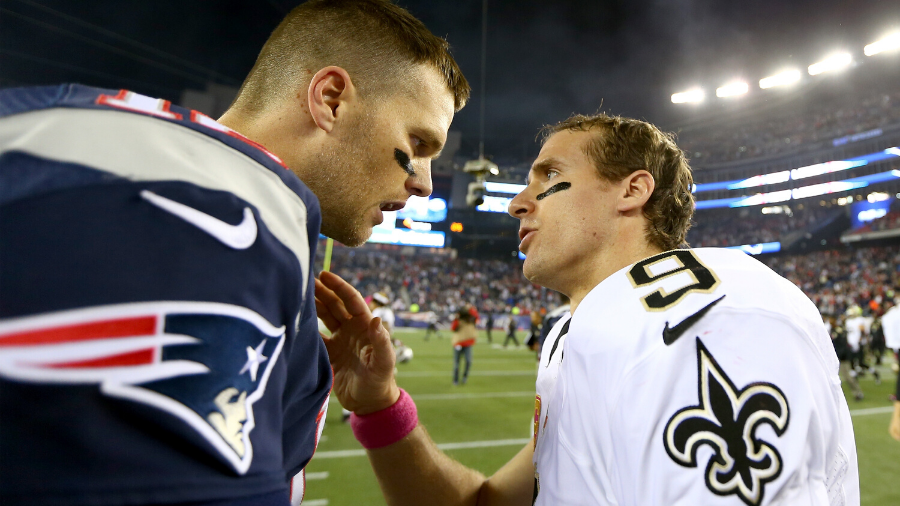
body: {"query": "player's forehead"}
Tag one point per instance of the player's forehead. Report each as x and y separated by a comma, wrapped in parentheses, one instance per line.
(424, 104)
(563, 151)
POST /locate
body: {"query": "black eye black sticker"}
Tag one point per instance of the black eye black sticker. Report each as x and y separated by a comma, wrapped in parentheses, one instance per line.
(558, 187)
(403, 159)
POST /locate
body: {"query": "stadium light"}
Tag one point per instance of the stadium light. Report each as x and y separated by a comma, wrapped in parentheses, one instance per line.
(690, 96)
(877, 197)
(834, 62)
(732, 89)
(888, 43)
(780, 79)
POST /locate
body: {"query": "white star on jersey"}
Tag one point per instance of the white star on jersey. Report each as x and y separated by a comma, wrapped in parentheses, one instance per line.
(255, 357)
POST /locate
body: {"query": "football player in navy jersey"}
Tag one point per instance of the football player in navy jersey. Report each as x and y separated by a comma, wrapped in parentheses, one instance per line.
(158, 336)
(680, 376)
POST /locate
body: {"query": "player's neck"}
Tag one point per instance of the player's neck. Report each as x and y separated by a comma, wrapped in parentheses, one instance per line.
(608, 263)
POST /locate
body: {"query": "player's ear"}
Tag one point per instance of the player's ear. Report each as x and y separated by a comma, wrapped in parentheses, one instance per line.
(330, 90)
(636, 189)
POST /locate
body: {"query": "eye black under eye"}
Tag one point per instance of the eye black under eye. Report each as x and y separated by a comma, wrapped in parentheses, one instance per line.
(404, 162)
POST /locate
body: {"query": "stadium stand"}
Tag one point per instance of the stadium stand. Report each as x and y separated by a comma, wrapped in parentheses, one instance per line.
(789, 132)
(837, 279)
(730, 227)
(420, 281)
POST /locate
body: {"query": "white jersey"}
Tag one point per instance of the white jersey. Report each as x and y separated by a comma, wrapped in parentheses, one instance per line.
(856, 327)
(387, 317)
(890, 322)
(693, 377)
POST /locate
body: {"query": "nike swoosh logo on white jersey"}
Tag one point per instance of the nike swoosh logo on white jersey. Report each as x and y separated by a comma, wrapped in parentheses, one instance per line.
(671, 334)
(240, 236)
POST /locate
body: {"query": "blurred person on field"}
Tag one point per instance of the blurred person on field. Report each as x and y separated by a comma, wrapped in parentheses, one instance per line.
(464, 337)
(511, 327)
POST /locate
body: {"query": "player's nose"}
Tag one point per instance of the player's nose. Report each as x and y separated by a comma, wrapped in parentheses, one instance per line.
(420, 184)
(521, 205)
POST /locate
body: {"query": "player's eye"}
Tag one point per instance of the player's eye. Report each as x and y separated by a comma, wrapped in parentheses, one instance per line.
(551, 173)
(417, 144)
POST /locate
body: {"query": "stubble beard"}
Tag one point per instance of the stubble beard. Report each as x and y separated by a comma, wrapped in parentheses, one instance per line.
(341, 183)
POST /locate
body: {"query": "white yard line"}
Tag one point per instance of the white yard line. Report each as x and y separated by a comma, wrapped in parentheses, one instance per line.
(317, 476)
(871, 411)
(337, 454)
(317, 502)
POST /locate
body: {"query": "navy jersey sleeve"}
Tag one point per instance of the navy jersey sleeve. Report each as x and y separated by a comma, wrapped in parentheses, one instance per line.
(154, 306)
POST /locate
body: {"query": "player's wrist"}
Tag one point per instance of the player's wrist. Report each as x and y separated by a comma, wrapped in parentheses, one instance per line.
(381, 403)
(386, 426)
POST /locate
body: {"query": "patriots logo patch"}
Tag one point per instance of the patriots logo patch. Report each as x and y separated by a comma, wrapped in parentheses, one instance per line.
(726, 419)
(205, 363)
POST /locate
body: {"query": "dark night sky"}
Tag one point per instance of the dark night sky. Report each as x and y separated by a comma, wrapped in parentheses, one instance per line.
(546, 60)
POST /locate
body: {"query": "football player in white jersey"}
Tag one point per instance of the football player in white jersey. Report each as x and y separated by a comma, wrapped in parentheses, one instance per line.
(682, 376)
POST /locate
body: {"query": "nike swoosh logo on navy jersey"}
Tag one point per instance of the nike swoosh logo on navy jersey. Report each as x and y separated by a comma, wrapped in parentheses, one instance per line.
(240, 236)
(671, 334)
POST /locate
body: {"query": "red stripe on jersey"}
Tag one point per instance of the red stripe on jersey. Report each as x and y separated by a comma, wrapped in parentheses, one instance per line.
(125, 327)
(139, 357)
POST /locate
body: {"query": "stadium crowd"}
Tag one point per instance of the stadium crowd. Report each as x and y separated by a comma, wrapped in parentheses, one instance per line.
(440, 283)
(728, 227)
(836, 280)
(786, 130)
(889, 221)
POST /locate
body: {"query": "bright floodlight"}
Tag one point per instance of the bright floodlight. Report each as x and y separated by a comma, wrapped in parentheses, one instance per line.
(732, 89)
(695, 95)
(780, 79)
(833, 62)
(892, 41)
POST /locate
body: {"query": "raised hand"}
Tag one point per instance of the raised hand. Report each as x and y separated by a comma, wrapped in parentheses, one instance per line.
(359, 348)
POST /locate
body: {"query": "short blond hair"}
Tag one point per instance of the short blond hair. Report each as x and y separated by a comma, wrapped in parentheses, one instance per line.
(621, 146)
(373, 40)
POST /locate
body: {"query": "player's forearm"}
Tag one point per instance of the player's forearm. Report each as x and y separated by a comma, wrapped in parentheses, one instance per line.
(413, 471)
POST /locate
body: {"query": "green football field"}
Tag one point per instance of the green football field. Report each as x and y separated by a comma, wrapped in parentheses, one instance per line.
(485, 422)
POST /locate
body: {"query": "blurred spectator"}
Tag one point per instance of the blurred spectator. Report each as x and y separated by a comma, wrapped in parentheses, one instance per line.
(731, 227)
(439, 282)
(511, 331)
(837, 280)
(464, 336)
(802, 126)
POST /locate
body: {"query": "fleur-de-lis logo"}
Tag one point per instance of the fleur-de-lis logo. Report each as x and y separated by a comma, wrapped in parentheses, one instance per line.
(726, 419)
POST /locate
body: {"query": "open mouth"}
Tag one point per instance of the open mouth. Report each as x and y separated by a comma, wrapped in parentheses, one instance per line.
(392, 206)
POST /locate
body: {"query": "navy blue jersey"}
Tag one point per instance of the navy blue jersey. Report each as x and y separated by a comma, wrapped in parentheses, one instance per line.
(158, 334)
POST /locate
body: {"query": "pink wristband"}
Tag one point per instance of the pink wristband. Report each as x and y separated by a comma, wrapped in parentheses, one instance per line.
(386, 427)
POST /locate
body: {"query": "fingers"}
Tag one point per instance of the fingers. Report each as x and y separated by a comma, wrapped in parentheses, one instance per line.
(352, 301)
(331, 304)
(380, 339)
(325, 315)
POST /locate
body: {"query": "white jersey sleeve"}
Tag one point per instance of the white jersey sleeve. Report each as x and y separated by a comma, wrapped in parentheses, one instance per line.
(855, 327)
(694, 377)
(387, 317)
(890, 322)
